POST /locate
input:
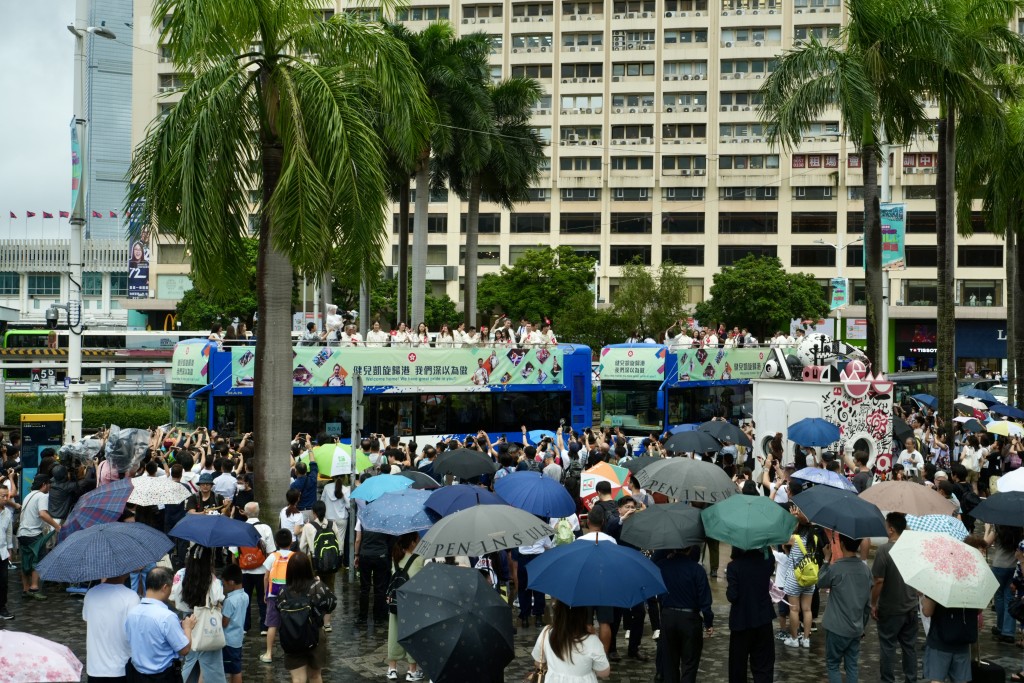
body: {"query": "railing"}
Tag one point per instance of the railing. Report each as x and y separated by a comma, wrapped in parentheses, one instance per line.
(47, 256)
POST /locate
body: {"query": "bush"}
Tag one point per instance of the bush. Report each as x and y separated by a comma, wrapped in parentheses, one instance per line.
(97, 409)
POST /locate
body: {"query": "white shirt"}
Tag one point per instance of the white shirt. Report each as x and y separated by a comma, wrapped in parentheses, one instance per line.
(292, 523)
(534, 337)
(682, 340)
(596, 535)
(377, 338)
(215, 593)
(267, 536)
(226, 485)
(912, 461)
(444, 340)
(574, 522)
(6, 532)
(354, 339)
(538, 547)
(400, 338)
(337, 508)
(105, 610)
(421, 340)
(32, 524)
(471, 339)
(711, 340)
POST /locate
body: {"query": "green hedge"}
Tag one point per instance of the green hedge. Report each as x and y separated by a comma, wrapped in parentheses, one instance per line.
(97, 409)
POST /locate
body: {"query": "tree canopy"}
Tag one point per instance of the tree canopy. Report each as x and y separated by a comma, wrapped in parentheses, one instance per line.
(536, 283)
(651, 299)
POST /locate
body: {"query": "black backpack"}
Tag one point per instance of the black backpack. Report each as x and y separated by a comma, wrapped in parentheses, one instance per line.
(300, 623)
(326, 550)
(398, 579)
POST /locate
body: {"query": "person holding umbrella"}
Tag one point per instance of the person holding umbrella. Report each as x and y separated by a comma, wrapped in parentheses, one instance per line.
(894, 607)
(848, 581)
(405, 560)
(751, 641)
(686, 616)
(571, 653)
(104, 610)
(1002, 544)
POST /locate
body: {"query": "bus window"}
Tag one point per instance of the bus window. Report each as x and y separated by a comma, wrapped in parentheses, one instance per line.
(469, 413)
(633, 406)
(536, 410)
(700, 404)
(433, 413)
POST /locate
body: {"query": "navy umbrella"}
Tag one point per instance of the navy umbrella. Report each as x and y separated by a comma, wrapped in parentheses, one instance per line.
(841, 511)
(464, 463)
(448, 499)
(535, 493)
(1008, 411)
(104, 551)
(926, 400)
(455, 625)
(813, 431)
(215, 531)
(1005, 509)
(595, 574)
(420, 480)
(816, 475)
(979, 394)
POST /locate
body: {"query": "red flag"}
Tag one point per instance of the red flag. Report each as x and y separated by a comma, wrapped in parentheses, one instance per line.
(47, 215)
(12, 214)
(30, 214)
(113, 214)
(97, 214)
(65, 214)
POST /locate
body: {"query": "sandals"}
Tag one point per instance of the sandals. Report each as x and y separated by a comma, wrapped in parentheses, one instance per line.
(265, 659)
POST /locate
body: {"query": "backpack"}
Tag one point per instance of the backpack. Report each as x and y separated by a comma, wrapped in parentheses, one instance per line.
(299, 630)
(252, 557)
(572, 479)
(398, 579)
(967, 497)
(326, 553)
(806, 570)
(563, 532)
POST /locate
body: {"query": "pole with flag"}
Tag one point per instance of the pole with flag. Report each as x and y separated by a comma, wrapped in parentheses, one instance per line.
(28, 214)
(10, 217)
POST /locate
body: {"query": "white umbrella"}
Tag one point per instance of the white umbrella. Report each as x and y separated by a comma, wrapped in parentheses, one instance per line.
(29, 659)
(972, 402)
(948, 571)
(1014, 481)
(157, 491)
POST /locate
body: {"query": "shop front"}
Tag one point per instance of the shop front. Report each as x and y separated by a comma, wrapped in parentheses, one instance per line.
(980, 347)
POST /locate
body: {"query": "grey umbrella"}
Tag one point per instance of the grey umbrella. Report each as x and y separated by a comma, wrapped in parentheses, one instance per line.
(482, 529)
(664, 527)
(696, 441)
(455, 625)
(685, 479)
(722, 430)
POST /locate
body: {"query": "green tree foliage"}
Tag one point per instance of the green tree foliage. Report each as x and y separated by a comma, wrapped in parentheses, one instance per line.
(757, 293)
(384, 301)
(538, 281)
(202, 306)
(650, 299)
(577, 321)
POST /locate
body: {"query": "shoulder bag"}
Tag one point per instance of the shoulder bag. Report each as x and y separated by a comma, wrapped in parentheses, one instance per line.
(540, 669)
(208, 634)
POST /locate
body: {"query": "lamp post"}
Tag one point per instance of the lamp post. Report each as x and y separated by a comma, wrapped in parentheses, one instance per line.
(840, 248)
(73, 398)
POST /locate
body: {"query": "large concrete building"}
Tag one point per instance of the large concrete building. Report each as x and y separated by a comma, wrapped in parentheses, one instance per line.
(656, 151)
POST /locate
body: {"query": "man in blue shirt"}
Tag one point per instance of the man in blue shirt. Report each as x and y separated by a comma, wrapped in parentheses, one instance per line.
(155, 636)
(305, 482)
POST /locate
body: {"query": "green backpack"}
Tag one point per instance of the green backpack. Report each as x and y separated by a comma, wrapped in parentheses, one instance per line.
(563, 532)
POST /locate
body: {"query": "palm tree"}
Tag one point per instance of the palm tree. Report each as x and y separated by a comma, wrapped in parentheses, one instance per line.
(277, 100)
(503, 160)
(454, 71)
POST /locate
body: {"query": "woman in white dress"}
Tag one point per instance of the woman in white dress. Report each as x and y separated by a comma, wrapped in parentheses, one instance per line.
(444, 338)
(422, 336)
(572, 653)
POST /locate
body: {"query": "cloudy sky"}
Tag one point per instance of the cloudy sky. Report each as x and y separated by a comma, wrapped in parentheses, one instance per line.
(36, 87)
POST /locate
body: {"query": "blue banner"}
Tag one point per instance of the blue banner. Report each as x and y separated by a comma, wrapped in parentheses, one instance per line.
(894, 231)
(839, 293)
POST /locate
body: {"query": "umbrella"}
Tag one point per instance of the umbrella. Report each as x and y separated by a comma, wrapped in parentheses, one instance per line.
(101, 505)
(464, 463)
(696, 441)
(722, 430)
(375, 487)
(535, 435)
(215, 531)
(683, 428)
(362, 461)
(926, 400)
(448, 499)
(949, 572)
(398, 512)
(664, 527)
(333, 459)
(634, 465)
(103, 551)
(748, 522)
(482, 529)
(595, 575)
(31, 659)
(908, 498)
(973, 426)
(841, 511)
(157, 491)
(613, 474)
(901, 431)
(1005, 509)
(813, 431)
(969, 405)
(1004, 428)
(940, 524)
(535, 493)
(1008, 411)
(979, 394)
(420, 480)
(816, 475)
(694, 481)
(1012, 481)
(455, 625)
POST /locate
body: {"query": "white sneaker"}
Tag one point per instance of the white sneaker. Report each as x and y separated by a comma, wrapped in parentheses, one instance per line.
(656, 634)
(416, 675)
(791, 642)
(392, 674)
(805, 642)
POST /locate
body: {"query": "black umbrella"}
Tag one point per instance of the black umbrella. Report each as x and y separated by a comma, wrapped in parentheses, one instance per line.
(901, 431)
(1005, 509)
(664, 527)
(722, 430)
(464, 463)
(696, 441)
(420, 480)
(634, 465)
(455, 625)
(973, 426)
(841, 511)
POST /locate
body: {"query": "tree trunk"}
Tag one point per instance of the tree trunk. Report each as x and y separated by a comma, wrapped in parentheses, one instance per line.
(1018, 318)
(872, 256)
(472, 242)
(1011, 296)
(326, 293)
(419, 241)
(403, 253)
(272, 381)
(364, 305)
(945, 227)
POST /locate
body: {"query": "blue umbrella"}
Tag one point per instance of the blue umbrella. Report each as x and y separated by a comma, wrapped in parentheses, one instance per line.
(683, 428)
(398, 512)
(926, 400)
(595, 574)
(104, 551)
(1009, 411)
(536, 435)
(535, 493)
(375, 487)
(448, 499)
(979, 394)
(813, 431)
(816, 475)
(215, 531)
(942, 524)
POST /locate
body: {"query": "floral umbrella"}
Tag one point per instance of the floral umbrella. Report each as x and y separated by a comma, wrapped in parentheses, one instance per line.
(26, 658)
(948, 571)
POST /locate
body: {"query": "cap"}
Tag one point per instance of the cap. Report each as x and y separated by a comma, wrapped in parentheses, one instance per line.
(205, 478)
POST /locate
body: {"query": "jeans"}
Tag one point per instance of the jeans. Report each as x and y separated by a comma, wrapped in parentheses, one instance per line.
(253, 584)
(375, 573)
(210, 665)
(4, 564)
(893, 630)
(530, 601)
(1004, 622)
(682, 640)
(841, 649)
(753, 647)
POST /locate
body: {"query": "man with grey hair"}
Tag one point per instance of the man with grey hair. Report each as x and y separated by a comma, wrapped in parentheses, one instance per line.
(252, 566)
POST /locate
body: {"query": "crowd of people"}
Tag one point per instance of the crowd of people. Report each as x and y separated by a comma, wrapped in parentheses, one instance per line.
(502, 332)
(685, 334)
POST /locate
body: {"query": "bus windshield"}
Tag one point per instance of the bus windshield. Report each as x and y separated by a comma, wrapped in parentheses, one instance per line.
(633, 406)
(699, 404)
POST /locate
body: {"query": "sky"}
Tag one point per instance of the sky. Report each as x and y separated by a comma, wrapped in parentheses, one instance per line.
(36, 92)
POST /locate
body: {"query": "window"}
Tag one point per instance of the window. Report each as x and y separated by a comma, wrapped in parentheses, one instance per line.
(694, 290)
(580, 224)
(437, 223)
(979, 257)
(688, 255)
(744, 223)
(822, 33)
(745, 67)
(685, 99)
(587, 252)
(816, 256)
(632, 132)
(633, 69)
(687, 37)
(487, 223)
(855, 256)
(584, 8)
(10, 284)
(682, 194)
(579, 163)
(812, 193)
(530, 71)
(422, 13)
(44, 285)
(692, 70)
(532, 41)
(587, 70)
(921, 256)
(644, 163)
(686, 5)
(482, 11)
(170, 82)
(437, 255)
(164, 108)
(691, 223)
(855, 222)
(530, 222)
(92, 284)
(741, 130)
(532, 10)
(920, 293)
(633, 100)
(744, 99)
(583, 103)
(744, 36)
(727, 256)
(626, 6)
(919, 192)
(631, 223)
(921, 221)
(752, 162)
(811, 222)
(682, 163)
(622, 40)
(980, 292)
(859, 294)
(487, 255)
(581, 194)
(622, 255)
(684, 130)
(583, 40)
(538, 194)
(762, 193)
(118, 284)
(579, 133)
(631, 194)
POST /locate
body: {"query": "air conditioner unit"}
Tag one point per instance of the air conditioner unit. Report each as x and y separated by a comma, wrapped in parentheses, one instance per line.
(684, 171)
(669, 110)
(575, 80)
(725, 14)
(723, 140)
(735, 107)
(746, 108)
(758, 140)
(758, 75)
(631, 46)
(565, 112)
(515, 20)
(909, 169)
(598, 111)
(645, 110)
(744, 139)
(725, 108)
(595, 142)
(529, 49)
(632, 111)
(543, 49)
(465, 21)
(167, 88)
(574, 137)
(668, 15)
(618, 110)
(699, 171)
(812, 10)
(565, 80)
(616, 16)
(685, 14)
(616, 79)
(696, 14)
(675, 142)
(799, 11)
(827, 9)
(771, 11)
(631, 15)
(757, 43)
(643, 47)
(686, 109)
(573, 17)
(728, 44)
(700, 108)
(739, 12)
(684, 77)
(595, 48)
(588, 111)
(515, 50)
(572, 48)
(734, 140)
(633, 141)
(595, 80)
(755, 12)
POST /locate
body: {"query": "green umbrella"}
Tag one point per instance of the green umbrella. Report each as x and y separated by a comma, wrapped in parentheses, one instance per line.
(325, 460)
(748, 522)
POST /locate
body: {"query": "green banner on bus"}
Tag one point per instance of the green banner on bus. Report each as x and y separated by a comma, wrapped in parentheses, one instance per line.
(640, 363)
(704, 365)
(190, 363)
(320, 366)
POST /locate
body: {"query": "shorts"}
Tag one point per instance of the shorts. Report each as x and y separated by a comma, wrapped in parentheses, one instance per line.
(31, 552)
(605, 615)
(973, 477)
(940, 665)
(314, 659)
(232, 660)
(273, 616)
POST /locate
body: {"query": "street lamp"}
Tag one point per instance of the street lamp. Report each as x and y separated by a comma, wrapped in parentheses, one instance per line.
(73, 398)
(840, 248)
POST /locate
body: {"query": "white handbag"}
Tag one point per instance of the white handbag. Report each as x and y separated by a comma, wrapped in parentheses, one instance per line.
(208, 633)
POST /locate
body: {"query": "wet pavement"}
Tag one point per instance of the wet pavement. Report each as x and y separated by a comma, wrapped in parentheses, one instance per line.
(358, 653)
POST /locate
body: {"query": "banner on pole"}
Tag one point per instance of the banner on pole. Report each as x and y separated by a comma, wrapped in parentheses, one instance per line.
(840, 286)
(894, 230)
